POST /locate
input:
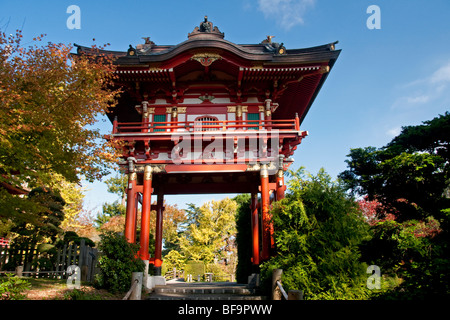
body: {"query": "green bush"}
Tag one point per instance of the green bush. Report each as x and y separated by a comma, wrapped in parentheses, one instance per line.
(318, 230)
(243, 238)
(80, 294)
(117, 262)
(11, 287)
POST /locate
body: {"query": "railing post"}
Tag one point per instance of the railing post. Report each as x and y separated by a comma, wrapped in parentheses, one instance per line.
(276, 276)
(137, 291)
(19, 271)
(295, 295)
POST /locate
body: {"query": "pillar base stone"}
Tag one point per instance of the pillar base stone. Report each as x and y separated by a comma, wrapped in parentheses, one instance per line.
(153, 281)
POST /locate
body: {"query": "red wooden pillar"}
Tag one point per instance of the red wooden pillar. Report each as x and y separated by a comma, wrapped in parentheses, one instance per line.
(239, 117)
(174, 119)
(280, 184)
(145, 219)
(136, 211)
(130, 219)
(145, 116)
(268, 115)
(255, 229)
(158, 234)
(267, 230)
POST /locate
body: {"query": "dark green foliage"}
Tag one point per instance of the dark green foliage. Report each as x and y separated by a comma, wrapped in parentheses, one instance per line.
(72, 237)
(410, 177)
(46, 223)
(117, 262)
(415, 252)
(432, 136)
(243, 238)
(414, 166)
(43, 225)
(318, 230)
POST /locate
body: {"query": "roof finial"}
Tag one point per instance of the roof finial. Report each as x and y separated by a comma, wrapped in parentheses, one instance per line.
(206, 26)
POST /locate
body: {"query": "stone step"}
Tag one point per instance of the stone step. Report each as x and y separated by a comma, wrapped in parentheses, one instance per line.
(177, 296)
(204, 291)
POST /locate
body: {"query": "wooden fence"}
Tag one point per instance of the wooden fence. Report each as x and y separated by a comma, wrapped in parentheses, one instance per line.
(81, 255)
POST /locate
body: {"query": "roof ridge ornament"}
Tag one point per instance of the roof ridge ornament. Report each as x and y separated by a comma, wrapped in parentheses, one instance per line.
(146, 47)
(206, 30)
(131, 51)
(275, 47)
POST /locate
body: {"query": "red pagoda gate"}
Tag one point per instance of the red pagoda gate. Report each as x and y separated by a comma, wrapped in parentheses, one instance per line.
(211, 116)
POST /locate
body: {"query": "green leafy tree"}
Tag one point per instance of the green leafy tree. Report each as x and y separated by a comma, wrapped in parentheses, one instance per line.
(318, 230)
(174, 259)
(116, 185)
(211, 233)
(409, 177)
(414, 167)
(109, 210)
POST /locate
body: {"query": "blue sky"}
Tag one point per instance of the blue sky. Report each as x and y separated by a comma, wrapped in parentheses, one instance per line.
(384, 78)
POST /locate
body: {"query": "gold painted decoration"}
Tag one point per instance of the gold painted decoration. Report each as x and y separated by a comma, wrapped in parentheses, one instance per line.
(147, 173)
(132, 176)
(206, 59)
(239, 111)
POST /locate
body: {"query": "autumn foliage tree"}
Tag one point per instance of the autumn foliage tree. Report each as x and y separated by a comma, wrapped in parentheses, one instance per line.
(50, 101)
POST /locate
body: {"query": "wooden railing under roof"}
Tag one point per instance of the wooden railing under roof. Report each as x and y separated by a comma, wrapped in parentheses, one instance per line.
(195, 126)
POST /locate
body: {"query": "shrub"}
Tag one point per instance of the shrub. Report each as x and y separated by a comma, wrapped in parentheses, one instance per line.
(81, 294)
(317, 232)
(11, 287)
(117, 262)
(243, 238)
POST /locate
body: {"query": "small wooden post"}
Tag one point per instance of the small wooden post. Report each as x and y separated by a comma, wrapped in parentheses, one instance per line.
(58, 257)
(276, 276)
(19, 271)
(137, 291)
(68, 258)
(295, 295)
(63, 261)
